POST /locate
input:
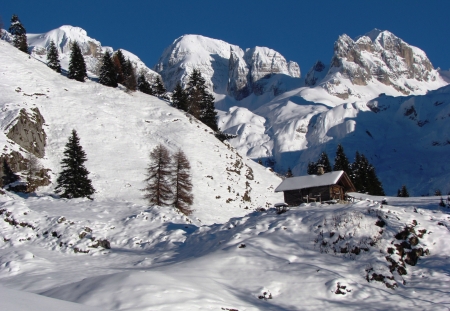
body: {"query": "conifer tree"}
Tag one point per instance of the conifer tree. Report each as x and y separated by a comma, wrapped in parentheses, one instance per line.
(159, 88)
(8, 176)
(364, 177)
(53, 57)
(200, 102)
(341, 162)
(73, 181)
(180, 98)
(130, 80)
(157, 190)
(181, 183)
(120, 66)
(108, 74)
(323, 161)
(77, 65)
(19, 33)
(143, 85)
(403, 192)
(289, 173)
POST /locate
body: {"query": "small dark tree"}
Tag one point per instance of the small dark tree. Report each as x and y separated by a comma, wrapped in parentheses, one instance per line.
(53, 57)
(181, 183)
(130, 80)
(260, 162)
(108, 74)
(73, 181)
(323, 161)
(157, 190)
(8, 175)
(120, 66)
(341, 162)
(19, 33)
(438, 193)
(364, 177)
(312, 168)
(180, 98)
(159, 88)
(289, 173)
(200, 102)
(403, 192)
(143, 85)
(77, 65)
(442, 203)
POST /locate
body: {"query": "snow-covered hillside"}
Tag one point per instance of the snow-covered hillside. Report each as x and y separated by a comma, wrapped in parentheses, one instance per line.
(118, 130)
(91, 48)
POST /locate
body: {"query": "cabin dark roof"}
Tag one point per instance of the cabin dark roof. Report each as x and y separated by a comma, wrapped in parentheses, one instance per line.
(309, 181)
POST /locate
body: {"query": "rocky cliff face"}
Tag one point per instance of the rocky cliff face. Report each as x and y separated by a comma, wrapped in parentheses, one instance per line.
(377, 57)
(227, 68)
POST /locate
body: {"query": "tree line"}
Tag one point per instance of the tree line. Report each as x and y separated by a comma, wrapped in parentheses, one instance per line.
(361, 172)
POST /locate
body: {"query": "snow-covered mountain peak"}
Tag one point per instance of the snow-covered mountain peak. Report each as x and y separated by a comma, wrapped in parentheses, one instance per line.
(92, 49)
(227, 68)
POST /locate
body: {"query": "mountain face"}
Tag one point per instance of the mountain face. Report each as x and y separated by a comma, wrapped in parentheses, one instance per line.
(379, 57)
(92, 50)
(227, 68)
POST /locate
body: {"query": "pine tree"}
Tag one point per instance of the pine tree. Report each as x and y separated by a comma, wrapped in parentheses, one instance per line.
(403, 192)
(437, 192)
(108, 74)
(159, 88)
(180, 98)
(289, 173)
(200, 102)
(8, 175)
(77, 66)
(323, 161)
(143, 85)
(19, 33)
(120, 66)
(157, 190)
(181, 183)
(364, 177)
(73, 181)
(341, 162)
(53, 57)
(130, 80)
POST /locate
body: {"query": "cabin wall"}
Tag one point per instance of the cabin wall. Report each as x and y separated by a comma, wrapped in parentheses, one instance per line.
(314, 194)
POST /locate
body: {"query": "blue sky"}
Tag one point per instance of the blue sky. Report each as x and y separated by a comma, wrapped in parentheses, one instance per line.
(302, 31)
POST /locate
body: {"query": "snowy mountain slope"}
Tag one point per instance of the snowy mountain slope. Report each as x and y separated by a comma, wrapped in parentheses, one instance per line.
(349, 256)
(227, 69)
(119, 129)
(91, 49)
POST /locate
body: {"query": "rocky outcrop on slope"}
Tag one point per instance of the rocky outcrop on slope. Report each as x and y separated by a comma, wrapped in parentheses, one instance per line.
(377, 57)
(227, 68)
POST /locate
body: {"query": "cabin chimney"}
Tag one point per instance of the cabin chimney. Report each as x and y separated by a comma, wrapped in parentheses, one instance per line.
(320, 170)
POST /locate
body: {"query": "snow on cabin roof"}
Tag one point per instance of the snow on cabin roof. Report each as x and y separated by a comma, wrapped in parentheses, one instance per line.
(309, 181)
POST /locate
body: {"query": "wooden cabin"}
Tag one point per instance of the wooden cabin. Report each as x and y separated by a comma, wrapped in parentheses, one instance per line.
(316, 188)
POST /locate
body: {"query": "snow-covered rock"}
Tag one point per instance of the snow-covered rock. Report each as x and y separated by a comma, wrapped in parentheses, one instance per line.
(227, 68)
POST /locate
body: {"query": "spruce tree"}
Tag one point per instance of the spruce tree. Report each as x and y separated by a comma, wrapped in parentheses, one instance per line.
(181, 183)
(159, 171)
(130, 81)
(73, 181)
(159, 88)
(119, 65)
(312, 168)
(403, 192)
(289, 173)
(53, 57)
(200, 102)
(143, 85)
(364, 177)
(341, 162)
(180, 98)
(19, 33)
(77, 65)
(108, 75)
(323, 161)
